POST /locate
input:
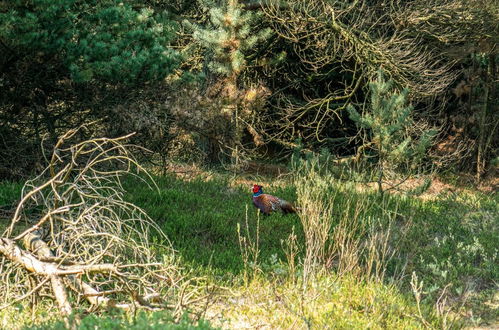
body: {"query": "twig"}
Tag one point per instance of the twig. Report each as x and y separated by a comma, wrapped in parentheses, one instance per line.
(20, 206)
(27, 294)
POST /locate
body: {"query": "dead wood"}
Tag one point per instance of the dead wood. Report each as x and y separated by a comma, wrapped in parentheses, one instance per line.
(86, 239)
(9, 249)
(35, 244)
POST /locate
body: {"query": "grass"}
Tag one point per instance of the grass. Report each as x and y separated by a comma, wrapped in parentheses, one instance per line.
(449, 243)
(9, 193)
(18, 317)
(332, 301)
(201, 220)
(142, 320)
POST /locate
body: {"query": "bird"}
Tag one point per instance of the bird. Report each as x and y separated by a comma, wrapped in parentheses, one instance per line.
(267, 203)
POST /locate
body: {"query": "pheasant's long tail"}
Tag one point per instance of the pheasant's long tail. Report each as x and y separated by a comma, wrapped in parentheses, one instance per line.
(287, 207)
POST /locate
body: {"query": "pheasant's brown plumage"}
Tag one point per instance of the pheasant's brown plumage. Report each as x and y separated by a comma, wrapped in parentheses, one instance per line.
(267, 203)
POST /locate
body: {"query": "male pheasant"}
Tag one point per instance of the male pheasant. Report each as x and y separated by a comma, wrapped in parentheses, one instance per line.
(267, 203)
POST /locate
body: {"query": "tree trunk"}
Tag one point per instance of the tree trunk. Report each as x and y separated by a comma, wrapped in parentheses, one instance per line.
(487, 125)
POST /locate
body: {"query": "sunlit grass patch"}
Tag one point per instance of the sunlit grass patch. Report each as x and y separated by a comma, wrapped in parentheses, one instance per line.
(21, 315)
(448, 242)
(327, 301)
(201, 218)
(111, 321)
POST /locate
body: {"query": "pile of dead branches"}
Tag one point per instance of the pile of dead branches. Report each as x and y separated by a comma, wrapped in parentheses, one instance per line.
(74, 238)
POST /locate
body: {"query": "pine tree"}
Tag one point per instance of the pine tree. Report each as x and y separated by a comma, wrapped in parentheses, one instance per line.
(66, 62)
(108, 41)
(228, 36)
(389, 121)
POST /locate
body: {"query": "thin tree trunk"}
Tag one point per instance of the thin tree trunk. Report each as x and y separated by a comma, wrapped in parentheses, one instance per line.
(380, 173)
(485, 130)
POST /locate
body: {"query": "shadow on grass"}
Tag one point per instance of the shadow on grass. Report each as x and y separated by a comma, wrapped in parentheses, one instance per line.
(201, 219)
(450, 242)
(445, 240)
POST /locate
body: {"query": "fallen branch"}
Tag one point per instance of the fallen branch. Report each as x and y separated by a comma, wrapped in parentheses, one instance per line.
(9, 249)
(94, 297)
(33, 243)
(88, 241)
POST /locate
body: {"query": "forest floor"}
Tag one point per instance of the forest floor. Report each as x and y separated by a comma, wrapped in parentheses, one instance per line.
(439, 269)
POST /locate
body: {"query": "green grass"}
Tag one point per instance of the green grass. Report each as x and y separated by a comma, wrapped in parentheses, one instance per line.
(143, 320)
(341, 302)
(449, 242)
(9, 193)
(201, 219)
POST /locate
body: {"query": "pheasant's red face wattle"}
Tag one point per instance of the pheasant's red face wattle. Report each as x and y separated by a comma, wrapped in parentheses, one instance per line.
(256, 188)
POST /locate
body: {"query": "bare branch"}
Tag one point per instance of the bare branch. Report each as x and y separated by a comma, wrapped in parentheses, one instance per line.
(84, 233)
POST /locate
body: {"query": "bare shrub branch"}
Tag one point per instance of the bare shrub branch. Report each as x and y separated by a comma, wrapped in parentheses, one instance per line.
(80, 232)
(352, 42)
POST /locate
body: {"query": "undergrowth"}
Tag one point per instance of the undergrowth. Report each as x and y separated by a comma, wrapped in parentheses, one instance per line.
(390, 261)
(142, 320)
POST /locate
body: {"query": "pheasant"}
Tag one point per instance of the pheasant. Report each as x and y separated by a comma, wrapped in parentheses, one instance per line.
(267, 203)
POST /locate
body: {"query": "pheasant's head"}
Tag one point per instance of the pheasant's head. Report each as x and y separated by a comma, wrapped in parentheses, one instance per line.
(257, 188)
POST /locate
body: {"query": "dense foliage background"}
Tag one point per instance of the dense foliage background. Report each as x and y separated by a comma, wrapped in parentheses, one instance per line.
(235, 80)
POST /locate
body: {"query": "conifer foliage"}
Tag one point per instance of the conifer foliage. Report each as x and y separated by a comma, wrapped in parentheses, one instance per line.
(103, 40)
(390, 127)
(227, 36)
(64, 63)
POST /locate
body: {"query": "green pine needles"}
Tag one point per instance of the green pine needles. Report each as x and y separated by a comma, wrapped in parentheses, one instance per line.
(108, 41)
(226, 38)
(229, 35)
(390, 127)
